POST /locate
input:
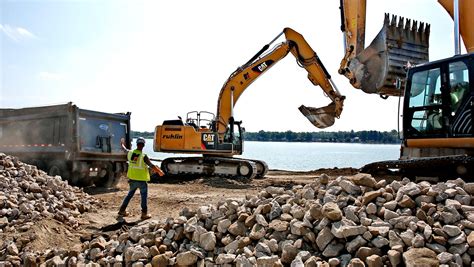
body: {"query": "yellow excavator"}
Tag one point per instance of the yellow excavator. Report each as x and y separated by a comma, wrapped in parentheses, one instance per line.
(438, 96)
(219, 137)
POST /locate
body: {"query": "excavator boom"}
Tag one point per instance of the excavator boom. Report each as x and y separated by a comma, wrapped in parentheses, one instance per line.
(220, 138)
(466, 11)
(258, 64)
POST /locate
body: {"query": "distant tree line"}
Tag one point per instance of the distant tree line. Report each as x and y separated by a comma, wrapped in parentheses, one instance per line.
(371, 137)
(146, 135)
(375, 137)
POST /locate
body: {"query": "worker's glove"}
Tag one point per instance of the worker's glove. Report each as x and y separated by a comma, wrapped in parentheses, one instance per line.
(158, 171)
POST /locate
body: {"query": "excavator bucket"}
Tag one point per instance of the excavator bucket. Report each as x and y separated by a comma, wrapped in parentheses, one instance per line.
(381, 67)
(320, 117)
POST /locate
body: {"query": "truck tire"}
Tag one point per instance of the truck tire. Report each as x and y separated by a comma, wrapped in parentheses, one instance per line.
(110, 180)
(59, 168)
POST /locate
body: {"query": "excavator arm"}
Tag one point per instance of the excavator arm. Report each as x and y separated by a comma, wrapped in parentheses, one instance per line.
(260, 63)
(466, 20)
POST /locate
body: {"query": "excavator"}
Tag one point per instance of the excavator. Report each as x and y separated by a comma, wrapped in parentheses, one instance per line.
(219, 137)
(438, 96)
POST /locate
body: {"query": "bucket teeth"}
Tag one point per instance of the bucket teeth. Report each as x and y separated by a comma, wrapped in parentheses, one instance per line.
(408, 28)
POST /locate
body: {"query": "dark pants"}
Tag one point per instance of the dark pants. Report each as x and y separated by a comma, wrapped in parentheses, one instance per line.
(134, 185)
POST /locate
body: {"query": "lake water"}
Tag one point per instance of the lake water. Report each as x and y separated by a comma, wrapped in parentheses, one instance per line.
(306, 156)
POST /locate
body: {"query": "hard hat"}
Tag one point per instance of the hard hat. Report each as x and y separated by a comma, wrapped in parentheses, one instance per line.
(140, 140)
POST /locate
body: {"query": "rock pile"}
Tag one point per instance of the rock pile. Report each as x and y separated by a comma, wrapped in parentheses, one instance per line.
(348, 221)
(28, 194)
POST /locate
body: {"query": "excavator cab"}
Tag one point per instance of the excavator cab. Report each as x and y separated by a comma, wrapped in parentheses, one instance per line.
(381, 67)
(439, 98)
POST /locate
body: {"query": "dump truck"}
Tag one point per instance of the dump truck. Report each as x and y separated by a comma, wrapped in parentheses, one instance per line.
(82, 146)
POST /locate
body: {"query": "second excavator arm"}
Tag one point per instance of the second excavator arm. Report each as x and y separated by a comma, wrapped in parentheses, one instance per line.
(258, 64)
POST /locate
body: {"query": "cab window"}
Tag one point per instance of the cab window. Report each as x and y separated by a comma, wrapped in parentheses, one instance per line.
(459, 84)
(426, 98)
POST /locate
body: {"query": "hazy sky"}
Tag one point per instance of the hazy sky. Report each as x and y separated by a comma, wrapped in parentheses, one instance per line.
(161, 59)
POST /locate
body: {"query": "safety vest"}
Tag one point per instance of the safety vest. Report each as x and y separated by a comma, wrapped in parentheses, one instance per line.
(137, 169)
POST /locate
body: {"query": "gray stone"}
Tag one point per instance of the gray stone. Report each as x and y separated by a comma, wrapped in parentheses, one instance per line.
(267, 260)
(436, 247)
(420, 257)
(262, 249)
(225, 258)
(395, 257)
(363, 179)
(186, 258)
(261, 220)
(237, 228)
(451, 230)
(445, 257)
(140, 253)
(461, 238)
(333, 249)
(388, 215)
(324, 238)
(371, 208)
(344, 231)
(208, 241)
(331, 211)
(458, 249)
(374, 261)
(223, 225)
(349, 187)
(380, 241)
(288, 253)
(355, 244)
(298, 228)
(279, 225)
(258, 231)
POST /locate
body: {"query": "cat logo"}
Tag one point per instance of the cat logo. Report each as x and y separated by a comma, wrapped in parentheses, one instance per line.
(208, 138)
(260, 68)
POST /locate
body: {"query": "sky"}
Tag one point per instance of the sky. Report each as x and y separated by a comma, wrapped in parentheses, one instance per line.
(162, 59)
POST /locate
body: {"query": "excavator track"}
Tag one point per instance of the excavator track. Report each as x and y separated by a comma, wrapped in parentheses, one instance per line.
(215, 166)
(446, 167)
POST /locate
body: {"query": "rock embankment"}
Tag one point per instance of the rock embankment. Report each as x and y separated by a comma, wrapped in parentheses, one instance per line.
(348, 221)
(344, 221)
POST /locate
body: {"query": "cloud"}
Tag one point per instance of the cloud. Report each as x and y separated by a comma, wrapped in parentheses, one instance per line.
(50, 76)
(16, 34)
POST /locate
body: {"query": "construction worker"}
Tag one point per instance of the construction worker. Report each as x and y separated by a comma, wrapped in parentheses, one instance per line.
(138, 176)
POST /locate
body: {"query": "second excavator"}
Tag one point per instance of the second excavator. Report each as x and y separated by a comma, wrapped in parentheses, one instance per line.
(219, 137)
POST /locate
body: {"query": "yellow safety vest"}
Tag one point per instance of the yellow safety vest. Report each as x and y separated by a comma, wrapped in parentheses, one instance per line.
(137, 169)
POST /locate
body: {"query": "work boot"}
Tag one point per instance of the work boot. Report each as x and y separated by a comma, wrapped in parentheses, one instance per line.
(123, 213)
(145, 216)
